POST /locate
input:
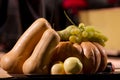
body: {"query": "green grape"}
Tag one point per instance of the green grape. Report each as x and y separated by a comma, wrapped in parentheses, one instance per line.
(78, 39)
(81, 26)
(79, 35)
(96, 34)
(75, 31)
(89, 28)
(100, 36)
(73, 39)
(104, 38)
(84, 34)
(100, 41)
(90, 34)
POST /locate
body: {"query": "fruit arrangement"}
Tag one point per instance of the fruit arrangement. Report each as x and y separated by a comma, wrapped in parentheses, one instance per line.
(81, 33)
(42, 50)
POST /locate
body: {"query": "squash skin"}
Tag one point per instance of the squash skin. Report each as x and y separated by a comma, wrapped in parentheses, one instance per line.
(64, 50)
(13, 60)
(91, 59)
(40, 58)
(104, 57)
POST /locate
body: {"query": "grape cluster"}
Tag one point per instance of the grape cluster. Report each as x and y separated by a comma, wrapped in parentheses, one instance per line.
(80, 33)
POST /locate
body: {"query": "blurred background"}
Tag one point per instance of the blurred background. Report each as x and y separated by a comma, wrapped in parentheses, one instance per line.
(17, 15)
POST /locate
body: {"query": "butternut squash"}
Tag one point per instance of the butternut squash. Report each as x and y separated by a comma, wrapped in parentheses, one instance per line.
(13, 61)
(41, 56)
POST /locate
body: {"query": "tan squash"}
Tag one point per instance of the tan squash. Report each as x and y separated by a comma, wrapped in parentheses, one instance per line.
(13, 60)
(41, 56)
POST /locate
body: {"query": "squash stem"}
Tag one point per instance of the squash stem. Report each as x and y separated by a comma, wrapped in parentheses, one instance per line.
(68, 17)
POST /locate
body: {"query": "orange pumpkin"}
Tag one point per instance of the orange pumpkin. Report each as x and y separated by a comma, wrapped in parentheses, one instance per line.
(92, 55)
